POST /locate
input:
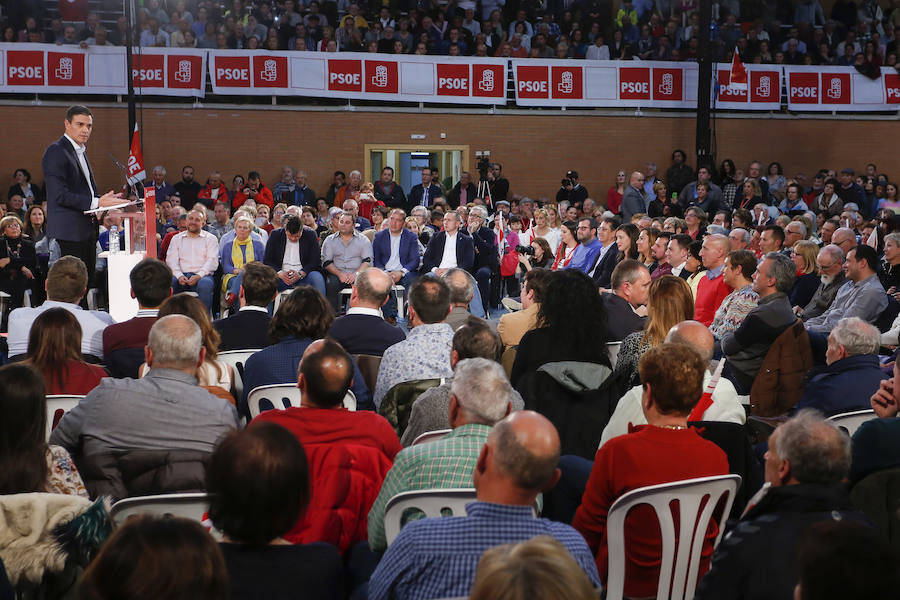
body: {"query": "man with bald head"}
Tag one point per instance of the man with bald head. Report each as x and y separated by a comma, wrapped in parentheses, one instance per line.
(363, 330)
(712, 289)
(845, 239)
(349, 452)
(723, 404)
(633, 198)
(437, 558)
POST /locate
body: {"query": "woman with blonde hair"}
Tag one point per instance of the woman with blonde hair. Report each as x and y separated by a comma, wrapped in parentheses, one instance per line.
(234, 256)
(804, 255)
(541, 229)
(670, 302)
(537, 568)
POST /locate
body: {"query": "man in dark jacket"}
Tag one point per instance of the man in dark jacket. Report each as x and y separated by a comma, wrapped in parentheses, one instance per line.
(679, 174)
(463, 192)
(387, 190)
(631, 288)
(808, 458)
(853, 373)
(633, 198)
(248, 329)
(293, 251)
(487, 259)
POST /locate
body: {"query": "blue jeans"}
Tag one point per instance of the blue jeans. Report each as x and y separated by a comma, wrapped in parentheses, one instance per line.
(390, 309)
(203, 288)
(313, 279)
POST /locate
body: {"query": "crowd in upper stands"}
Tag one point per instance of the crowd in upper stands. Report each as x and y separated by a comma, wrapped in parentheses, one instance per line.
(689, 324)
(863, 34)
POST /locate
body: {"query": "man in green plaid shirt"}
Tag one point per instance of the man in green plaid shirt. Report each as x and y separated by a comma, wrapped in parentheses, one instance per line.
(480, 395)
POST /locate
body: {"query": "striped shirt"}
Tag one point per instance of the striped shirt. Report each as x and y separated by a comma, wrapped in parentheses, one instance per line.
(733, 310)
(445, 463)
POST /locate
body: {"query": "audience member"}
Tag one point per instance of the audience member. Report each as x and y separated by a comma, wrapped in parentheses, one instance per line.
(712, 289)
(830, 264)
(558, 336)
(512, 326)
(363, 330)
(585, 256)
(303, 316)
(27, 462)
(196, 570)
(234, 256)
(480, 395)
(862, 296)
(396, 251)
(449, 248)
(66, 284)
(437, 558)
(258, 483)
(807, 460)
(123, 343)
(740, 265)
(462, 290)
(664, 450)
(669, 303)
(349, 452)
(248, 328)
(624, 310)
(538, 568)
(293, 251)
(344, 254)
(193, 256)
(429, 412)
(487, 259)
(609, 253)
(719, 402)
(875, 444)
(54, 349)
(747, 346)
(804, 254)
(425, 353)
(166, 411)
(853, 372)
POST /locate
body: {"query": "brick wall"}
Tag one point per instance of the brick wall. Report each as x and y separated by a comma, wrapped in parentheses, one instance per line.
(535, 149)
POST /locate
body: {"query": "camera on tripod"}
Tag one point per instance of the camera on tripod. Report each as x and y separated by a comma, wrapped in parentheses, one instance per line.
(483, 163)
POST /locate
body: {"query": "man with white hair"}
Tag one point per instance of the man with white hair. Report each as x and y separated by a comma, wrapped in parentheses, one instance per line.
(793, 233)
(853, 372)
(480, 395)
(165, 410)
(830, 264)
(719, 402)
(739, 238)
(360, 223)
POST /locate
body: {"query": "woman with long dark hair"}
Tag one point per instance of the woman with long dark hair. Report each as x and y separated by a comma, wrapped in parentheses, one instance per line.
(567, 245)
(570, 326)
(626, 240)
(27, 462)
(54, 349)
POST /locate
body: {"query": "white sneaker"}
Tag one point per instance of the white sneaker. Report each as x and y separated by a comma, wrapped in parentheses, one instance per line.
(511, 305)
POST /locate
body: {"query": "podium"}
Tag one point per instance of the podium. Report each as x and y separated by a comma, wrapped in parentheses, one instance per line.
(137, 222)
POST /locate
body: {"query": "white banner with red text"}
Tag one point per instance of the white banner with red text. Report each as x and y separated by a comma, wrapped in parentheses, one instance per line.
(829, 89)
(51, 69)
(405, 78)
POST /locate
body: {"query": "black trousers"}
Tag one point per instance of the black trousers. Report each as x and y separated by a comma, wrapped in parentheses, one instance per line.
(87, 252)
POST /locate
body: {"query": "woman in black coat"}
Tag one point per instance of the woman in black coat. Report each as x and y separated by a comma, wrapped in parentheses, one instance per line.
(18, 262)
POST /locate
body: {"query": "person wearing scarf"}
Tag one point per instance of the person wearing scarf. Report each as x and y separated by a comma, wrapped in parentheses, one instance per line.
(242, 250)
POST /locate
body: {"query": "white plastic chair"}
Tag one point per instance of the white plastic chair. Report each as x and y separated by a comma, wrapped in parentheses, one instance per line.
(852, 420)
(431, 502)
(613, 349)
(192, 506)
(236, 359)
(58, 402)
(284, 396)
(692, 520)
(279, 298)
(430, 436)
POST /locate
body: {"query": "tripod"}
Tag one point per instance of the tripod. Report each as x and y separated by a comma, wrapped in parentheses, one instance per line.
(484, 192)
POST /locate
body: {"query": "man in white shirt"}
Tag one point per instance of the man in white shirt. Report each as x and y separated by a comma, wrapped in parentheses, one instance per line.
(66, 284)
(677, 253)
(193, 257)
(725, 406)
(448, 249)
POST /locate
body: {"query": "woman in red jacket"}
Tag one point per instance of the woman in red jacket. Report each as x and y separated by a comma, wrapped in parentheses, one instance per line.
(54, 349)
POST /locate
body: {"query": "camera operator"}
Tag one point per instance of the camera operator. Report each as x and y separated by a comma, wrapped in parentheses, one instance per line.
(497, 183)
(537, 255)
(254, 190)
(572, 191)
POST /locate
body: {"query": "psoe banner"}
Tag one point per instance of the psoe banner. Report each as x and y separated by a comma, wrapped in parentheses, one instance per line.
(51, 69)
(589, 83)
(823, 88)
(404, 78)
(762, 92)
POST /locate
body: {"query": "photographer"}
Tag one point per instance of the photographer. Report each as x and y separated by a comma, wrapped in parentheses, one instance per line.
(572, 191)
(254, 190)
(537, 255)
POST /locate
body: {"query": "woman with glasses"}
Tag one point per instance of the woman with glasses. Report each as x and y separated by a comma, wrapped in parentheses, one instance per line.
(18, 263)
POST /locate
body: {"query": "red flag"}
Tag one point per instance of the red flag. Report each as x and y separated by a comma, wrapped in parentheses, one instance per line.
(136, 172)
(738, 77)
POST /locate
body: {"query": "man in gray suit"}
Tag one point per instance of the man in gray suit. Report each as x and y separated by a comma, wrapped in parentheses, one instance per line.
(166, 410)
(633, 198)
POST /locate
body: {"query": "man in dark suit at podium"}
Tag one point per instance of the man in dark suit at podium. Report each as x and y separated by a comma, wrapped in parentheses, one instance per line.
(248, 329)
(71, 190)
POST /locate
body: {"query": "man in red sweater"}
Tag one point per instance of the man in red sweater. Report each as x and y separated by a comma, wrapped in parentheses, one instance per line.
(712, 288)
(349, 453)
(663, 451)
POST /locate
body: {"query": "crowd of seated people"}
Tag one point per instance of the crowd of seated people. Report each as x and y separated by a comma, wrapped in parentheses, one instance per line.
(864, 35)
(791, 318)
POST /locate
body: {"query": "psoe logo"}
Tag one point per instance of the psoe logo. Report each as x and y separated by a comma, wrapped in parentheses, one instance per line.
(270, 71)
(764, 88)
(380, 78)
(667, 85)
(64, 71)
(487, 81)
(183, 74)
(567, 82)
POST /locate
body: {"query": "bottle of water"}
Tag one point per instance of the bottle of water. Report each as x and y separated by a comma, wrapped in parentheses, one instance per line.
(113, 239)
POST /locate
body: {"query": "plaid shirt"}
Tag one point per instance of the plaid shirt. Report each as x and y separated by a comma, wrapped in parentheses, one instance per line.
(437, 558)
(446, 463)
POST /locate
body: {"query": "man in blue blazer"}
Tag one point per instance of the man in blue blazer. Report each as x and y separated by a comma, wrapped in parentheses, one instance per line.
(71, 190)
(441, 256)
(426, 192)
(396, 251)
(293, 251)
